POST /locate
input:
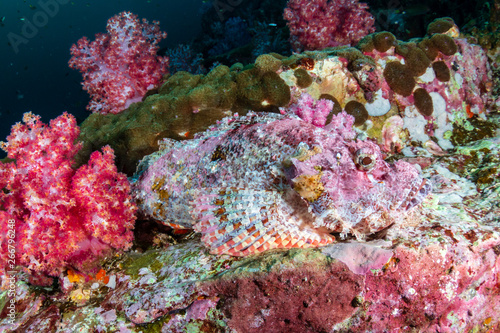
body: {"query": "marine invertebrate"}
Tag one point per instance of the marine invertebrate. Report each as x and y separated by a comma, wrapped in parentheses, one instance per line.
(379, 81)
(429, 48)
(399, 78)
(261, 91)
(183, 58)
(318, 24)
(120, 66)
(307, 63)
(304, 80)
(61, 216)
(416, 61)
(383, 41)
(267, 63)
(423, 102)
(358, 111)
(270, 181)
(232, 35)
(444, 43)
(310, 110)
(441, 71)
(336, 109)
(440, 25)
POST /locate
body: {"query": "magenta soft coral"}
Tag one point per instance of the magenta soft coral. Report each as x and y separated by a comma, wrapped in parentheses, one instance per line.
(119, 67)
(103, 197)
(310, 110)
(316, 24)
(61, 217)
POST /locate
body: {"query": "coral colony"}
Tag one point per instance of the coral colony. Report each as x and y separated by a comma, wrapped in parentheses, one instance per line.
(332, 152)
(316, 24)
(118, 67)
(62, 216)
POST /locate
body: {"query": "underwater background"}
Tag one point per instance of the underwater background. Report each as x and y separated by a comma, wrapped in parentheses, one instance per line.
(35, 74)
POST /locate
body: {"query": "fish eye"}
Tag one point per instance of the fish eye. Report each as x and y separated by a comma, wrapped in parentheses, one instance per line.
(364, 160)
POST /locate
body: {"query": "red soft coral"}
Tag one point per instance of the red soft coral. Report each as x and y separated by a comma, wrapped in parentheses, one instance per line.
(55, 212)
(120, 66)
(103, 196)
(316, 24)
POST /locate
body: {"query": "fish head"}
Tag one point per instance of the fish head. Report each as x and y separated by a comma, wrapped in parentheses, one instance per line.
(351, 189)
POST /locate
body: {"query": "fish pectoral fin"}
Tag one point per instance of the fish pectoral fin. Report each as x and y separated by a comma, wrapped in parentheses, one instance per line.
(241, 221)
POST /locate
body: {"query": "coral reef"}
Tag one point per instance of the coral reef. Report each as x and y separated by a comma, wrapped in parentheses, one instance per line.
(365, 197)
(374, 86)
(120, 66)
(437, 272)
(317, 24)
(183, 105)
(438, 86)
(60, 217)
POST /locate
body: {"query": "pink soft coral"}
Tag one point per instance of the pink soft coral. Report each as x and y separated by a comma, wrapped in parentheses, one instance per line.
(120, 66)
(316, 24)
(310, 110)
(60, 216)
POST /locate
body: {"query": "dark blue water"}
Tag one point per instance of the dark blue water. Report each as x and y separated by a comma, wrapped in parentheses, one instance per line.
(34, 71)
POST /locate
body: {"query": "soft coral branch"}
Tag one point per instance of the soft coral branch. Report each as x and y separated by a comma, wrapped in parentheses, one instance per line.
(55, 210)
(316, 24)
(119, 67)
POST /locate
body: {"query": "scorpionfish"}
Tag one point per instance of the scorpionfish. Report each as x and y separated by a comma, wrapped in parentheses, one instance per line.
(267, 181)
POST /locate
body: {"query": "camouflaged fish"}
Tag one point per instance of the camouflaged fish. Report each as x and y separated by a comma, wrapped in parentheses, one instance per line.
(266, 181)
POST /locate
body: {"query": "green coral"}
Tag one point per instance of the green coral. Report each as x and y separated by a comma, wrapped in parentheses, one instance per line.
(183, 105)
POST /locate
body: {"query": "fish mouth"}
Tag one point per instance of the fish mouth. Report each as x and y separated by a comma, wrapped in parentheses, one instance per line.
(418, 195)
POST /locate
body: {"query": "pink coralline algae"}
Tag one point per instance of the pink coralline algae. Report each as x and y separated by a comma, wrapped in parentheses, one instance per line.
(120, 66)
(475, 71)
(271, 181)
(60, 217)
(317, 24)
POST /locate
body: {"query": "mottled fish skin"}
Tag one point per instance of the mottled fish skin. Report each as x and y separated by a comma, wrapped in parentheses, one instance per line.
(267, 181)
